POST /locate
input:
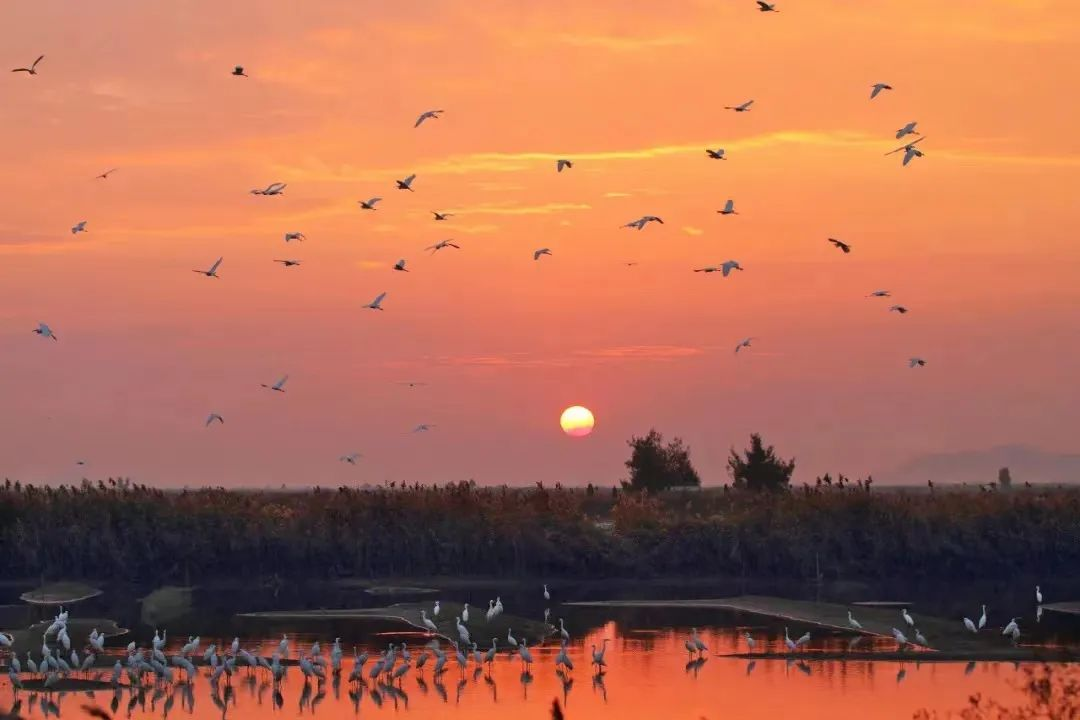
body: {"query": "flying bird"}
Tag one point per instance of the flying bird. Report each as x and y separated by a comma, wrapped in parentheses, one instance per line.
(412, 383)
(288, 263)
(351, 458)
(766, 7)
(876, 88)
(238, 71)
(898, 309)
(406, 184)
(32, 70)
(916, 362)
(376, 304)
(717, 154)
(79, 227)
(560, 164)
(433, 114)
(910, 151)
(744, 343)
(541, 251)
(273, 189)
(279, 386)
(642, 221)
(880, 293)
(214, 417)
(729, 208)
(908, 129)
(422, 427)
(442, 244)
(295, 236)
(740, 108)
(441, 216)
(212, 272)
(840, 245)
(400, 265)
(45, 331)
(105, 175)
(369, 204)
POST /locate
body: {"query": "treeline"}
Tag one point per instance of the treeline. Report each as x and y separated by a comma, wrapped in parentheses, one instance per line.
(118, 530)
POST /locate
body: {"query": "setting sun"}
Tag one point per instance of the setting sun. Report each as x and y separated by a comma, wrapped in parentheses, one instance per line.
(577, 421)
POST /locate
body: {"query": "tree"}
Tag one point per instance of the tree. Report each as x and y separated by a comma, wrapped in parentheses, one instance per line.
(762, 469)
(655, 466)
(1004, 479)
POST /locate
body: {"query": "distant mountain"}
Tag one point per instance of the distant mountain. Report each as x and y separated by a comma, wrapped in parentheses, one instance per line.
(1025, 463)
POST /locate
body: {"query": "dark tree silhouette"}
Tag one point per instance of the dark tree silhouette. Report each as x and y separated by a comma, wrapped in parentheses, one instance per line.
(762, 469)
(655, 466)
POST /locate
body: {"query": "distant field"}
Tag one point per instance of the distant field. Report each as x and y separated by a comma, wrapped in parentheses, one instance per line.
(124, 531)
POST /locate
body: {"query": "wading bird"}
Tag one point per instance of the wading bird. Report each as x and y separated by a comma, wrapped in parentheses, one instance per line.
(910, 151)
(880, 293)
(44, 331)
(740, 108)
(541, 251)
(916, 362)
(32, 70)
(376, 304)
(970, 625)
(907, 618)
(840, 245)
(729, 208)
(717, 154)
(423, 427)
(441, 216)
(744, 343)
(105, 175)
(766, 7)
(288, 263)
(442, 244)
(272, 189)
(212, 418)
(79, 227)
(898, 309)
(430, 114)
(852, 621)
(982, 618)
(238, 71)
(295, 236)
(351, 458)
(406, 184)
(1038, 595)
(908, 129)
(560, 164)
(369, 204)
(212, 272)
(279, 386)
(400, 265)
(877, 88)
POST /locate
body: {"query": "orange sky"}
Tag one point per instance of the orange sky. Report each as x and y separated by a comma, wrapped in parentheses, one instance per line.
(976, 237)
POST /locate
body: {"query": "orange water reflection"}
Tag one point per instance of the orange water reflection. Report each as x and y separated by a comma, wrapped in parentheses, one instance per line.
(648, 677)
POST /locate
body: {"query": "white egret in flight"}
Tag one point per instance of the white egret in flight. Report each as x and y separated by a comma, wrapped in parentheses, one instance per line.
(908, 129)
(898, 309)
(44, 331)
(288, 263)
(212, 272)
(423, 427)
(105, 175)
(295, 236)
(376, 304)
(724, 268)
(32, 70)
(840, 245)
(441, 216)
(880, 293)
(238, 71)
(909, 150)
(273, 189)
(432, 114)
(400, 265)
(560, 164)
(740, 108)
(406, 184)
(877, 88)
(351, 458)
(279, 386)
(79, 227)
(642, 221)
(442, 244)
(369, 204)
(212, 418)
(541, 251)
(744, 343)
(717, 154)
(729, 208)
(766, 7)
(916, 362)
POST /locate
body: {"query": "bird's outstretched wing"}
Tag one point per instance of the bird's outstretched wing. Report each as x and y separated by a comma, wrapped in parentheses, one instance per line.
(408, 180)
(905, 147)
(214, 267)
(34, 66)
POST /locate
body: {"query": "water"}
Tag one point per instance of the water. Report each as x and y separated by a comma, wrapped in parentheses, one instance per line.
(648, 675)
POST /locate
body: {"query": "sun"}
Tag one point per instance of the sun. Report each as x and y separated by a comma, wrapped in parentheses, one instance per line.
(577, 421)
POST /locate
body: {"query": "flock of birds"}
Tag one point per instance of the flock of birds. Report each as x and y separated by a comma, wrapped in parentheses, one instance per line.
(726, 268)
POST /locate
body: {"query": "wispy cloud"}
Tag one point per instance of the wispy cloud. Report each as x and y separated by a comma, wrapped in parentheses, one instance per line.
(624, 43)
(477, 229)
(514, 209)
(629, 353)
(690, 230)
(641, 352)
(617, 195)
